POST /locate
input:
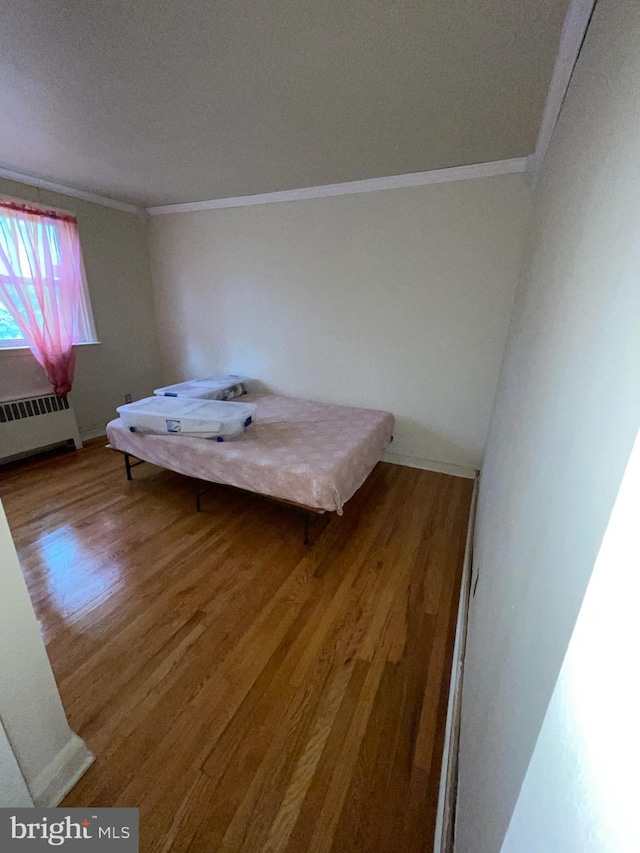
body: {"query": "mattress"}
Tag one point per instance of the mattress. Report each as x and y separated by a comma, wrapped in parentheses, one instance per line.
(314, 454)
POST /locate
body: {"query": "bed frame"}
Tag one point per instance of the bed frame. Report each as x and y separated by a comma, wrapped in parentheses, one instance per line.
(311, 514)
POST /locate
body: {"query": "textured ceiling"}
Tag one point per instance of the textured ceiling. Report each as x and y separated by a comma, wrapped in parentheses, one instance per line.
(162, 101)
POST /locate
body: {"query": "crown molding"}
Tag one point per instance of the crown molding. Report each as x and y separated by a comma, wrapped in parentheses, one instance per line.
(572, 38)
(392, 182)
(32, 181)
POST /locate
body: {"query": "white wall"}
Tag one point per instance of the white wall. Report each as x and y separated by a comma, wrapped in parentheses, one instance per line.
(398, 300)
(566, 414)
(580, 794)
(49, 754)
(13, 789)
(116, 256)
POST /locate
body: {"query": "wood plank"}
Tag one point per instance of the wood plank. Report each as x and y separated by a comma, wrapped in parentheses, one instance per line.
(244, 691)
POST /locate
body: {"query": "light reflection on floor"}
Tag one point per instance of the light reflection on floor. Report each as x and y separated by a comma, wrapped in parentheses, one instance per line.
(73, 579)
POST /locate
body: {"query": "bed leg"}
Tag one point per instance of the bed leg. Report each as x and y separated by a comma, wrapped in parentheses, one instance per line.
(307, 525)
(197, 495)
(127, 465)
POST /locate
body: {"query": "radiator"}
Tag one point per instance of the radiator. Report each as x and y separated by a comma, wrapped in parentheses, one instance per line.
(33, 423)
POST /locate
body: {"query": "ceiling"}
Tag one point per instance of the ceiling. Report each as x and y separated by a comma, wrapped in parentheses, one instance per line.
(165, 101)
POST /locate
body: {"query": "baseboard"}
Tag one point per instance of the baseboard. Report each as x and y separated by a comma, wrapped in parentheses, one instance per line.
(96, 432)
(431, 465)
(59, 776)
(445, 816)
(36, 451)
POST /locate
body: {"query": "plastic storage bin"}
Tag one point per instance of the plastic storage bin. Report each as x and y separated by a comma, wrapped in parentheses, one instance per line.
(214, 419)
(213, 388)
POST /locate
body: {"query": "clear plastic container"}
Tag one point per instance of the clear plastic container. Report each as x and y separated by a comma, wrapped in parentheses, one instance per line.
(214, 388)
(214, 419)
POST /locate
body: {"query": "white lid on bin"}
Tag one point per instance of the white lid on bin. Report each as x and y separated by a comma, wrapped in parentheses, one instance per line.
(202, 387)
(188, 416)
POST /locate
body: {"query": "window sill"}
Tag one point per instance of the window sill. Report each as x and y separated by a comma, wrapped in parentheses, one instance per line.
(24, 348)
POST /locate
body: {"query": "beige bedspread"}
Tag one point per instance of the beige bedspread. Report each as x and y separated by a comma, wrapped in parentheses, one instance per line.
(316, 454)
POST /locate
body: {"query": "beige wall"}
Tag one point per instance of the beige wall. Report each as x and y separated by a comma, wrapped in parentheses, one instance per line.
(116, 256)
(397, 300)
(566, 416)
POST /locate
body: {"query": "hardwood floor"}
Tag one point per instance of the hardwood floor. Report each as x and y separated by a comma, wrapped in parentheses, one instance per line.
(248, 693)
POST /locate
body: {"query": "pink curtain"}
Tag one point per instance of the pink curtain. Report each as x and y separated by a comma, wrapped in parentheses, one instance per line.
(41, 285)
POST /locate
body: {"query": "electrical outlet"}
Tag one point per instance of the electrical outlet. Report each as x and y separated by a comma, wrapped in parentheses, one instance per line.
(127, 398)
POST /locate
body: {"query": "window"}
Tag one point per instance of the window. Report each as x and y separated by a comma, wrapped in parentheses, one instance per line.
(32, 245)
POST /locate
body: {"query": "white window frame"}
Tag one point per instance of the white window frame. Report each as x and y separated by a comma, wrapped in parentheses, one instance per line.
(86, 322)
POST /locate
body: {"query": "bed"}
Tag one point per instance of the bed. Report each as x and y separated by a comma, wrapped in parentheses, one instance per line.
(313, 455)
